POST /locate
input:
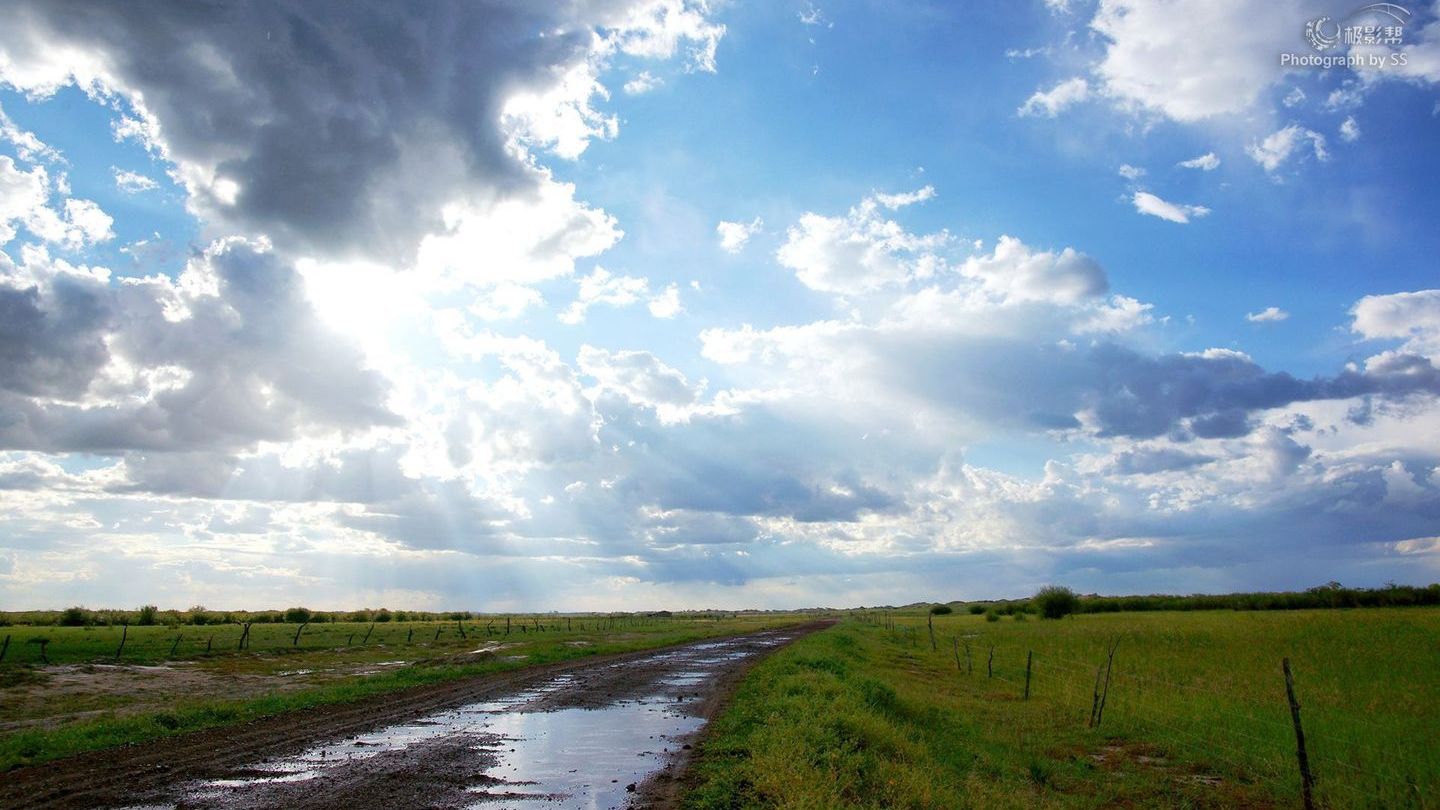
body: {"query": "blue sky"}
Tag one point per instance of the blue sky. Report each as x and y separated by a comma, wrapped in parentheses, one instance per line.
(670, 303)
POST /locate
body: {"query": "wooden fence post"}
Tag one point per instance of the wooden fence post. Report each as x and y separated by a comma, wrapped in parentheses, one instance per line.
(1028, 656)
(955, 648)
(930, 624)
(176, 645)
(1095, 696)
(437, 633)
(1307, 780)
(1105, 694)
(462, 628)
(990, 664)
(410, 636)
(298, 631)
(969, 662)
(4, 648)
(367, 634)
(124, 634)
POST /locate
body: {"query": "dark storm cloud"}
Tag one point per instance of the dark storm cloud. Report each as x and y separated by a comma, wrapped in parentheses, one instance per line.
(249, 362)
(346, 126)
(52, 346)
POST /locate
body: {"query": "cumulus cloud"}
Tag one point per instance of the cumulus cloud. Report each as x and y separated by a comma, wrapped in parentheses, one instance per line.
(1131, 172)
(414, 112)
(643, 82)
(1413, 317)
(860, 251)
(1275, 149)
(1147, 203)
(229, 355)
(735, 235)
(1207, 162)
(1267, 315)
(24, 202)
(1050, 103)
(603, 287)
(1014, 271)
(1193, 59)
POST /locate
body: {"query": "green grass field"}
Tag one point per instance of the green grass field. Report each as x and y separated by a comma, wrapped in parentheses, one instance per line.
(1196, 716)
(332, 663)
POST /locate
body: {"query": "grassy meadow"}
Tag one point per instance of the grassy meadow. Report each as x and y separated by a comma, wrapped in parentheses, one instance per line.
(83, 701)
(867, 714)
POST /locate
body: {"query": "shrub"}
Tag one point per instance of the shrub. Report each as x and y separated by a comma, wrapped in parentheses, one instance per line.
(991, 615)
(1056, 601)
(976, 610)
(1020, 616)
(298, 615)
(942, 610)
(198, 616)
(75, 617)
(382, 615)
(147, 615)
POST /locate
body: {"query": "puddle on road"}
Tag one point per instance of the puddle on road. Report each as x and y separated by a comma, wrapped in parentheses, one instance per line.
(526, 756)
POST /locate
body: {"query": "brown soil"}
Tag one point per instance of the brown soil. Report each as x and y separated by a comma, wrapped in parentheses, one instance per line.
(431, 775)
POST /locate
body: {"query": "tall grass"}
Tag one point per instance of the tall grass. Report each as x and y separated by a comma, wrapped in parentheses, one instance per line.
(1200, 693)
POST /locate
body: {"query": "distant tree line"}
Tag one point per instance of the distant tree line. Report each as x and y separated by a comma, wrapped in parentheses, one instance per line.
(147, 615)
(1055, 601)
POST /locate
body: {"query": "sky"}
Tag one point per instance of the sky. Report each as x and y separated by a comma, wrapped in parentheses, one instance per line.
(631, 304)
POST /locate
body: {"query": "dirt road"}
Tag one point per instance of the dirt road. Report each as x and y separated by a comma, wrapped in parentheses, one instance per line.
(607, 732)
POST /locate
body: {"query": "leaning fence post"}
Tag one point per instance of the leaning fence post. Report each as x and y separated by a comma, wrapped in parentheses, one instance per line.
(930, 625)
(1307, 779)
(1105, 694)
(4, 648)
(1029, 654)
(990, 664)
(955, 648)
(298, 631)
(1095, 696)
(176, 645)
(366, 640)
(124, 633)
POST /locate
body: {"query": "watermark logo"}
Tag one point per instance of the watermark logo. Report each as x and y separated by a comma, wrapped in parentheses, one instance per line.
(1381, 24)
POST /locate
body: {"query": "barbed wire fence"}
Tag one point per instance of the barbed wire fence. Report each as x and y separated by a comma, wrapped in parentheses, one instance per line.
(1350, 760)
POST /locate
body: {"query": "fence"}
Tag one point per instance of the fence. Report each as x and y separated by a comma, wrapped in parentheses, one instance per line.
(1320, 756)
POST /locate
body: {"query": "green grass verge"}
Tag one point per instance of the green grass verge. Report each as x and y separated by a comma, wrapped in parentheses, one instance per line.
(863, 716)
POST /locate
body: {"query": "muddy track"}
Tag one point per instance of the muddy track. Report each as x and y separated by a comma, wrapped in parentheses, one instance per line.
(452, 769)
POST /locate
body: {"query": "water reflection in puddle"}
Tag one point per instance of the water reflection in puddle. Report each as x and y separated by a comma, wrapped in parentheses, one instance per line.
(525, 755)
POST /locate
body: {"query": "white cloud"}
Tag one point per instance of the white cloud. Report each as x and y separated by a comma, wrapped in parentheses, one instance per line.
(1050, 103)
(132, 182)
(1147, 203)
(603, 287)
(735, 235)
(1193, 59)
(1410, 316)
(1131, 172)
(1207, 162)
(643, 82)
(27, 147)
(1016, 272)
(1267, 315)
(1276, 148)
(666, 305)
(860, 251)
(23, 202)
(904, 198)
(1349, 130)
(523, 239)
